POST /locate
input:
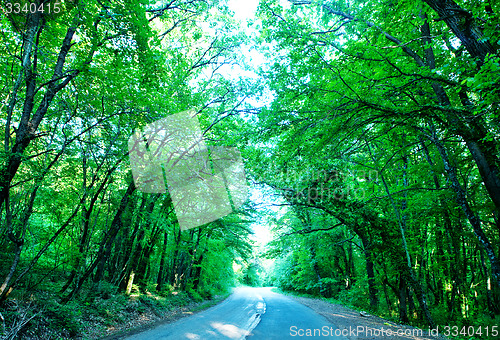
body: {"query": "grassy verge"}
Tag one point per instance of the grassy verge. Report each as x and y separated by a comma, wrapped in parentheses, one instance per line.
(467, 329)
(172, 315)
(298, 294)
(106, 315)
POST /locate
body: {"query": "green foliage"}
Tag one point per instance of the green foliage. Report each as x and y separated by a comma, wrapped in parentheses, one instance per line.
(379, 140)
(251, 276)
(86, 232)
(370, 118)
(67, 317)
(356, 296)
(193, 294)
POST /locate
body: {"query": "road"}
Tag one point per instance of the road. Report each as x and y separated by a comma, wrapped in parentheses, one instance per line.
(249, 313)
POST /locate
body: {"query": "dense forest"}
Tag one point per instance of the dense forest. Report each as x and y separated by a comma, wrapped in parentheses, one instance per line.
(372, 129)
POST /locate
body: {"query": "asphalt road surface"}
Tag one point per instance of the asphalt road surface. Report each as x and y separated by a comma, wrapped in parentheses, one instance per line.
(249, 313)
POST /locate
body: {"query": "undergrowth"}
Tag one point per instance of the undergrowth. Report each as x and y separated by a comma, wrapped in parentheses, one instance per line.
(481, 323)
(91, 315)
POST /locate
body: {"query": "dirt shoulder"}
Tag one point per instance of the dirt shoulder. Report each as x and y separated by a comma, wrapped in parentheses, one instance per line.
(353, 325)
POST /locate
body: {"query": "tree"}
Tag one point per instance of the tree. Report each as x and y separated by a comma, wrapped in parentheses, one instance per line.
(357, 89)
(80, 83)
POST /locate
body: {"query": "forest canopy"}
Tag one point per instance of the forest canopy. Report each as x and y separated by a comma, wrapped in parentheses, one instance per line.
(372, 128)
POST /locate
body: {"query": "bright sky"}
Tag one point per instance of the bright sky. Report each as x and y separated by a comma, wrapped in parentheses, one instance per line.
(245, 10)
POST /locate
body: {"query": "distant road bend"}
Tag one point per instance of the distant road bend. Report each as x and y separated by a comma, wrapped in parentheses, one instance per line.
(249, 313)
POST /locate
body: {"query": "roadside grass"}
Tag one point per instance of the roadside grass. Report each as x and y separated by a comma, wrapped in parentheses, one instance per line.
(95, 315)
(453, 330)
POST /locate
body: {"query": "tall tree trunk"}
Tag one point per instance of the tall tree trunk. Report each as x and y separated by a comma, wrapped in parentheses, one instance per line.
(370, 272)
(192, 257)
(109, 238)
(403, 311)
(163, 261)
(465, 27)
(5, 288)
(483, 152)
(144, 263)
(197, 271)
(488, 170)
(489, 299)
(27, 128)
(136, 257)
(173, 277)
(462, 201)
(199, 262)
(412, 278)
(18, 241)
(314, 261)
(386, 294)
(126, 256)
